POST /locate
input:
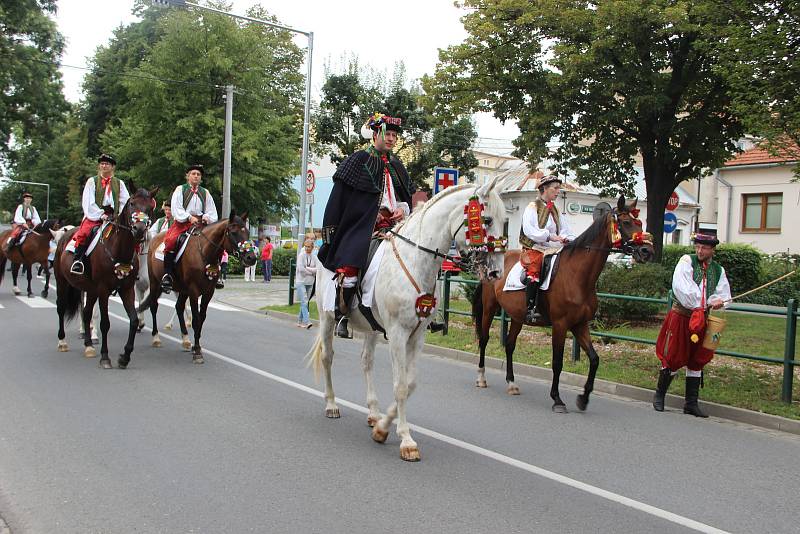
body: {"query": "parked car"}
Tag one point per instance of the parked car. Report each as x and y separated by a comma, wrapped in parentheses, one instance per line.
(620, 258)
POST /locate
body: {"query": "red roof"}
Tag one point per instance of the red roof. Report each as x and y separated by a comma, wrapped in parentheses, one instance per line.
(760, 156)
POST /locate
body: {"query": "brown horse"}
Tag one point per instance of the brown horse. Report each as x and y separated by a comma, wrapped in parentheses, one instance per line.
(196, 274)
(571, 300)
(35, 249)
(112, 267)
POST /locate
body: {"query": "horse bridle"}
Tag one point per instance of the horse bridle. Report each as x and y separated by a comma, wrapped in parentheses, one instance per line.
(141, 216)
(626, 247)
(240, 247)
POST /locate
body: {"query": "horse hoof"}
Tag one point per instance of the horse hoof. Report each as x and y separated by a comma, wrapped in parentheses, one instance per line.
(379, 435)
(89, 352)
(410, 454)
(168, 326)
(62, 346)
(372, 421)
(332, 413)
(105, 364)
(481, 383)
(156, 343)
(198, 359)
(140, 327)
(512, 389)
(17, 291)
(582, 401)
(44, 294)
(30, 294)
(559, 408)
(185, 343)
(122, 362)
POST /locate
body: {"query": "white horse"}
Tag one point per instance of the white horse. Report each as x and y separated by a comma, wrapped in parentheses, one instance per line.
(433, 226)
(142, 287)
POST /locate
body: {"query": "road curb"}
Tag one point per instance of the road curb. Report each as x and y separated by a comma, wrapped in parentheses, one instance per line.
(740, 415)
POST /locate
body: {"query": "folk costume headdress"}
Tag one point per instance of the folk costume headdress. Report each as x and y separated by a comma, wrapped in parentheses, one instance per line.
(705, 239)
(380, 123)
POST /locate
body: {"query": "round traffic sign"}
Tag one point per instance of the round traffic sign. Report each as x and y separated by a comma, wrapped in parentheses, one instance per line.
(310, 181)
(673, 201)
(670, 222)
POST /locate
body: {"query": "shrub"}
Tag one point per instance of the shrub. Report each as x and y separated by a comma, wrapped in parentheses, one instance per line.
(778, 293)
(647, 280)
(280, 261)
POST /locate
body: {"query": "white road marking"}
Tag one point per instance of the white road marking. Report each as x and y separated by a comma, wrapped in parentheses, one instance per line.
(519, 464)
(36, 302)
(1, 306)
(171, 303)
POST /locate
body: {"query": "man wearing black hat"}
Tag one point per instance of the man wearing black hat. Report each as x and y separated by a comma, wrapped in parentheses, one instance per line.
(543, 230)
(103, 197)
(698, 284)
(191, 204)
(371, 190)
(25, 217)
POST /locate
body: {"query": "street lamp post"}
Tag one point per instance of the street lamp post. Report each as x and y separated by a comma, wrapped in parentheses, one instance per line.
(47, 209)
(307, 110)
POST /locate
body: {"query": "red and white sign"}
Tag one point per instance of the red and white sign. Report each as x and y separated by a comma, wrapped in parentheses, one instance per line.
(673, 201)
(310, 181)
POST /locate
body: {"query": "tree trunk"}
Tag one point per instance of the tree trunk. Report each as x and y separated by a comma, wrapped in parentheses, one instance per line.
(659, 182)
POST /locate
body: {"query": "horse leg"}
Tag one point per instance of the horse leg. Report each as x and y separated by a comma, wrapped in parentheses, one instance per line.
(155, 292)
(46, 280)
(559, 335)
(105, 324)
(88, 308)
(367, 360)
(61, 308)
(327, 324)
(199, 318)
(14, 276)
(29, 273)
(581, 333)
(140, 295)
(129, 302)
(490, 307)
(511, 344)
(180, 306)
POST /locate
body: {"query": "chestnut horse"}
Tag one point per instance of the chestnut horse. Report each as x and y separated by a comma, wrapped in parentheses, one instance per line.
(112, 267)
(570, 302)
(35, 249)
(196, 274)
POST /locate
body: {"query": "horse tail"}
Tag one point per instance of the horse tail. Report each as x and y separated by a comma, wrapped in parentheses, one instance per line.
(477, 309)
(314, 357)
(3, 259)
(72, 298)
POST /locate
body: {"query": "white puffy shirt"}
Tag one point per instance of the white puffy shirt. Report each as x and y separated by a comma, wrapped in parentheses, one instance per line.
(90, 208)
(19, 219)
(195, 207)
(688, 293)
(530, 227)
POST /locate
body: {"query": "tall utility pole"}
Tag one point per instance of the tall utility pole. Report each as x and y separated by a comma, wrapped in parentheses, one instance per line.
(306, 115)
(226, 165)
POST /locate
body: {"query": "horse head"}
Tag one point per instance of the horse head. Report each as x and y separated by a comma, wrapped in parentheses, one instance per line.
(138, 211)
(487, 257)
(238, 239)
(635, 241)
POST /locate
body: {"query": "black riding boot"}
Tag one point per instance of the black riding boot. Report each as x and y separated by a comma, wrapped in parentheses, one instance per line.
(341, 316)
(665, 377)
(169, 268)
(77, 263)
(692, 394)
(532, 297)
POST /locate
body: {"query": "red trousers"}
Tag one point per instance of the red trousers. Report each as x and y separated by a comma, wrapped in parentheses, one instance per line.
(674, 347)
(532, 261)
(173, 233)
(83, 230)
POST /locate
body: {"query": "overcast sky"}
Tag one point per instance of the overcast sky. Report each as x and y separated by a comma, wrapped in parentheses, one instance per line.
(380, 34)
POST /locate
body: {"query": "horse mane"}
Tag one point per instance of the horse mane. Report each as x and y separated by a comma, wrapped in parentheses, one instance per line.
(435, 198)
(45, 225)
(586, 239)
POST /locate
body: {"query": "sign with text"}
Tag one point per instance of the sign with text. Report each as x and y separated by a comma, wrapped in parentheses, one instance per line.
(444, 178)
(673, 201)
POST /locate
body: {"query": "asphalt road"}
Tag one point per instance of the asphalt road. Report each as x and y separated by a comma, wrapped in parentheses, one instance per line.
(240, 444)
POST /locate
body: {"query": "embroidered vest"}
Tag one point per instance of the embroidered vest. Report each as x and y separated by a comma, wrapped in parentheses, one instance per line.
(713, 275)
(187, 196)
(163, 224)
(541, 213)
(27, 212)
(100, 193)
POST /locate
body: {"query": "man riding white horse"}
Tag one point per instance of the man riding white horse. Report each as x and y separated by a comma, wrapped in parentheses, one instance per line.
(371, 192)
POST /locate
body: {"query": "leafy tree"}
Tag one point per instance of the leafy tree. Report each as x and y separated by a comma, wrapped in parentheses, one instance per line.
(610, 81)
(30, 83)
(175, 110)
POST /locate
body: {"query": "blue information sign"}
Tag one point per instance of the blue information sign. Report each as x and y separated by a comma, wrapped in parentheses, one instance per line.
(670, 222)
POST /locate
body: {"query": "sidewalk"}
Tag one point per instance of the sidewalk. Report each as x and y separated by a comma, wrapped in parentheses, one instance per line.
(253, 295)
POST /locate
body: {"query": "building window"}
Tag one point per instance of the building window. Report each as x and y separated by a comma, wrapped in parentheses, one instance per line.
(761, 212)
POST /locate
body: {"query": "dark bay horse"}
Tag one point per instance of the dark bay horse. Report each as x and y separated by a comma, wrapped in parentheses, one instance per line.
(571, 300)
(35, 249)
(196, 274)
(112, 267)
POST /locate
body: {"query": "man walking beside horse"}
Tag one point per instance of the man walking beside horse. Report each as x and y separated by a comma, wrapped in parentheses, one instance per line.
(698, 284)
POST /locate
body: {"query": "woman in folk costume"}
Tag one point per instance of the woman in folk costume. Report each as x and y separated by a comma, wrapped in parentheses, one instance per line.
(191, 204)
(371, 191)
(698, 285)
(162, 223)
(25, 217)
(103, 197)
(543, 229)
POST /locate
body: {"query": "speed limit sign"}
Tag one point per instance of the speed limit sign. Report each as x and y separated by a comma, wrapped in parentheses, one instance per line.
(310, 181)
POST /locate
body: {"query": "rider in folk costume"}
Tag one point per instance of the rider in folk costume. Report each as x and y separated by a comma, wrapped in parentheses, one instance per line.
(191, 205)
(698, 284)
(103, 197)
(25, 218)
(543, 230)
(163, 223)
(371, 192)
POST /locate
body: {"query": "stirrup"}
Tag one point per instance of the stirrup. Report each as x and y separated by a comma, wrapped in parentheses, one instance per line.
(220, 284)
(166, 283)
(77, 267)
(341, 329)
(533, 316)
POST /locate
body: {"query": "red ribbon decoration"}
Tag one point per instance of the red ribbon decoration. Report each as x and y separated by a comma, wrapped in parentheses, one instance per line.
(425, 305)
(476, 233)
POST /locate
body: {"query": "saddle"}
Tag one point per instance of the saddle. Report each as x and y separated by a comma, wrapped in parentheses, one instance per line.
(16, 241)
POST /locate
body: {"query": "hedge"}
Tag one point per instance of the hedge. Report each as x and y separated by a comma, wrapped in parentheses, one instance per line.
(280, 263)
(642, 280)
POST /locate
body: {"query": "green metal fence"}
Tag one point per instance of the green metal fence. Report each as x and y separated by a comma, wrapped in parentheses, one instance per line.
(790, 313)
